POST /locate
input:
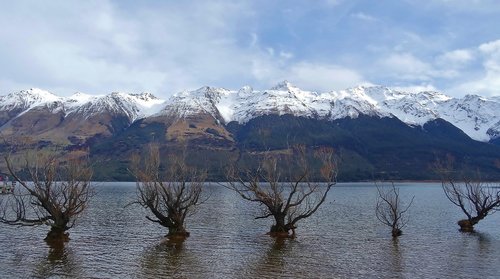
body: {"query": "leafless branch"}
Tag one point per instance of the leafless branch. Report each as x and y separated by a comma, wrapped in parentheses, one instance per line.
(58, 193)
(170, 195)
(286, 191)
(389, 209)
(474, 197)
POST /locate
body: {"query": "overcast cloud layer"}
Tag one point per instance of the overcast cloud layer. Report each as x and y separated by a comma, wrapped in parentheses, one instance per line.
(166, 46)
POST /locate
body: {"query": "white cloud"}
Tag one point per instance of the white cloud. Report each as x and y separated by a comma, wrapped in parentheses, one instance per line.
(491, 64)
(270, 51)
(455, 58)
(307, 75)
(450, 65)
(488, 86)
(486, 80)
(490, 47)
(66, 62)
(405, 66)
(286, 55)
(323, 77)
(364, 17)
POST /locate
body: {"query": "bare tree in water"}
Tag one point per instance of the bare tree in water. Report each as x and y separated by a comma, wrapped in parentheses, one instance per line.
(58, 192)
(171, 194)
(473, 196)
(390, 210)
(286, 196)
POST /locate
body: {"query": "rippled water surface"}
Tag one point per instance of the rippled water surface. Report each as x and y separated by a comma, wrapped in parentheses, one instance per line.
(343, 240)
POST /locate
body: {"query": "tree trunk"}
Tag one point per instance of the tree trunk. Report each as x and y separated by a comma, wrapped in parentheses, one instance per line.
(57, 234)
(279, 229)
(467, 225)
(396, 232)
(177, 232)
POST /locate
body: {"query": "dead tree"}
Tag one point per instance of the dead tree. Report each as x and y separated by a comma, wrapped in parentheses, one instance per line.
(475, 198)
(286, 196)
(58, 192)
(170, 195)
(390, 210)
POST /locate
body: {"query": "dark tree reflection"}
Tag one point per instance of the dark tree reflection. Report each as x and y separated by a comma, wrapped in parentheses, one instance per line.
(169, 259)
(273, 262)
(60, 261)
(396, 259)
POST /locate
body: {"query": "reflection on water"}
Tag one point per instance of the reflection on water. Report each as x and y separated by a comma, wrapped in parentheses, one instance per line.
(60, 261)
(272, 263)
(165, 260)
(342, 240)
(396, 263)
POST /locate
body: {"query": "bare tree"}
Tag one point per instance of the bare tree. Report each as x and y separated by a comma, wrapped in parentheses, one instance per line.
(475, 198)
(58, 192)
(170, 195)
(390, 210)
(289, 196)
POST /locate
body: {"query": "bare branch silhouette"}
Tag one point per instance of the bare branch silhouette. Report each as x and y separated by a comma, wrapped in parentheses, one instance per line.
(287, 196)
(58, 192)
(473, 196)
(390, 210)
(170, 195)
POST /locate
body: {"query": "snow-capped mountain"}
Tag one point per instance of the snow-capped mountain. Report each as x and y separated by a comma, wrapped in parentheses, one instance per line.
(133, 106)
(27, 99)
(201, 101)
(478, 117)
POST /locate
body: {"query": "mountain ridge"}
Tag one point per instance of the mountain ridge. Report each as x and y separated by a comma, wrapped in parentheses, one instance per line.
(478, 117)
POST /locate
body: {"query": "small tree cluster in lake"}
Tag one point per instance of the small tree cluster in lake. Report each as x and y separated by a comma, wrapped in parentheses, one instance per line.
(390, 210)
(285, 187)
(58, 192)
(170, 195)
(474, 197)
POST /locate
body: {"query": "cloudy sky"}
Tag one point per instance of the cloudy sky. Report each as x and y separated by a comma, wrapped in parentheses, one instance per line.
(163, 47)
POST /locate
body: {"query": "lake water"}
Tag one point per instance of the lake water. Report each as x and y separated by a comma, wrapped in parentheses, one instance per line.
(342, 240)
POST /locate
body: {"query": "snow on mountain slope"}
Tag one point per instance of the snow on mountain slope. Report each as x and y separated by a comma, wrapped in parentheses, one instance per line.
(26, 99)
(78, 99)
(349, 103)
(477, 116)
(414, 109)
(200, 101)
(133, 106)
(285, 98)
(281, 99)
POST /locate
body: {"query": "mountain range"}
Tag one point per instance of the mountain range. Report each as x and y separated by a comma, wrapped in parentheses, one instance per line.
(378, 130)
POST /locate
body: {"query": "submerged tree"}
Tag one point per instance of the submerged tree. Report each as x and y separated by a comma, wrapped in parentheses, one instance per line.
(170, 195)
(286, 196)
(390, 210)
(58, 192)
(475, 198)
